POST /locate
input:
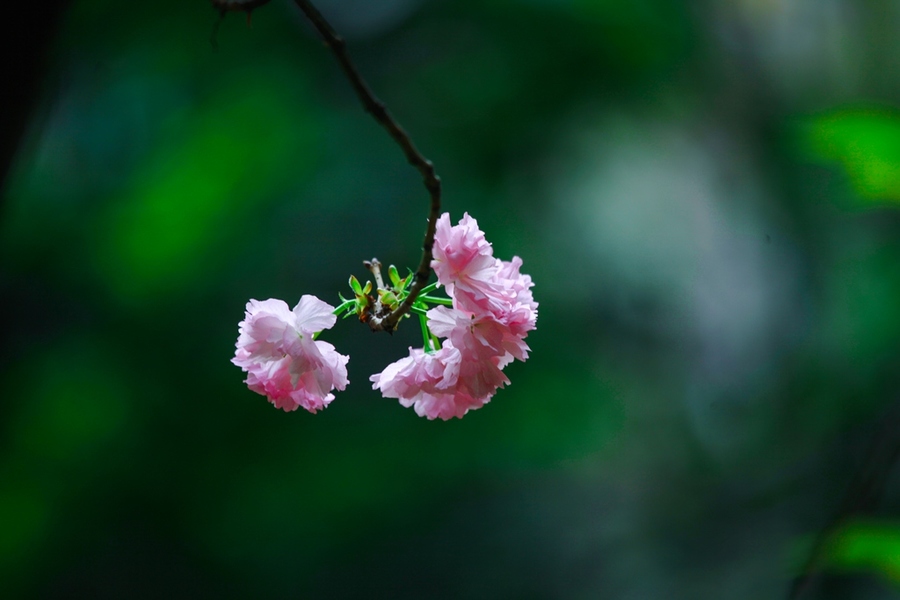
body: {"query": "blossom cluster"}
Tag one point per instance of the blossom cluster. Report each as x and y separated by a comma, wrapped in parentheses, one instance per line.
(484, 329)
(492, 312)
(277, 349)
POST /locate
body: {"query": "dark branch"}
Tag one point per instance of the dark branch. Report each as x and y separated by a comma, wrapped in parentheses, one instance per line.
(376, 108)
(377, 321)
(224, 6)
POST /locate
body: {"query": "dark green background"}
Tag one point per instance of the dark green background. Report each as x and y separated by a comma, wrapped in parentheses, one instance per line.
(704, 192)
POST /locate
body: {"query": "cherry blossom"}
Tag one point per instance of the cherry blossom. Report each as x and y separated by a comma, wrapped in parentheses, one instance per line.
(461, 252)
(283, 361)
(492, 312)
(442, 384)
(465, 265)
(466, 344)
(481, 337)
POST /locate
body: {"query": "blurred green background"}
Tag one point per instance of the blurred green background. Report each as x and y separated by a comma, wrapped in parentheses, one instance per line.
(705, 193)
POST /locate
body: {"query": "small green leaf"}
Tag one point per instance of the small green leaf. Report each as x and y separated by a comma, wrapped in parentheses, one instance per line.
(354, 285)
(394, 276)
(388, 298)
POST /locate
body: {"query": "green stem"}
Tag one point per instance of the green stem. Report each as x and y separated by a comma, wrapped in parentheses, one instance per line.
(429, 288)
(343, 307)
(417, 310)
(426, 334)
(437, 300)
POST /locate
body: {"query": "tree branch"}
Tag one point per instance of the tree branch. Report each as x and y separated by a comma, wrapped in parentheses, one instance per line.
(379, 319)
(374, 106)
(224, 6)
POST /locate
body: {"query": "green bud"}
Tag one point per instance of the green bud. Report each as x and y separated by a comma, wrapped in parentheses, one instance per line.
(395, 276)
(388, 298)
(354, 285)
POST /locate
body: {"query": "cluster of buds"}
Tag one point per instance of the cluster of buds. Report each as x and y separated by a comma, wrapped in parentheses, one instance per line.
(387, 299)
(467, 338)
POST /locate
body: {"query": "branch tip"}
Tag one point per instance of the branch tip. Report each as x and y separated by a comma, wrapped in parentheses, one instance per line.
(379, 112)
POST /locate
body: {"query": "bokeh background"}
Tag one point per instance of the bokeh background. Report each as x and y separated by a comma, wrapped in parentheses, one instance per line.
(705, 193)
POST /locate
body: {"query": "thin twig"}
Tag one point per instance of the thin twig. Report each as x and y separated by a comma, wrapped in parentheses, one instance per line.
(377, 109)
(374, 266)
(227, 6)
(224, 6)
(378, 321)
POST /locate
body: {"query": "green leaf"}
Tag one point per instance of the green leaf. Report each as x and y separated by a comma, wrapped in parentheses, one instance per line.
(394, 276)
(354, 285)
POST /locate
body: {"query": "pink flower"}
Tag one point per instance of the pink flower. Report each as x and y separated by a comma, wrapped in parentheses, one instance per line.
(492, 296)
(465, 265)
(283, 362)
(516, 282)
(493, 311)
(461, 253)
(442, 384)
(479, 283)
(481, 337)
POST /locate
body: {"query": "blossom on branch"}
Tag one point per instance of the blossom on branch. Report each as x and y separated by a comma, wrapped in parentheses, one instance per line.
(283, 361)
(493, 311)
(442, 384)
(465, 265)
(492, 305)
(480, 336)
